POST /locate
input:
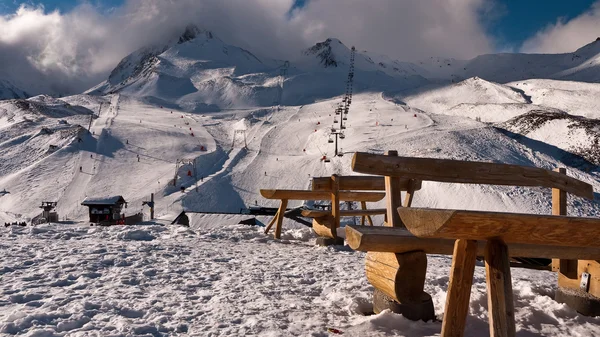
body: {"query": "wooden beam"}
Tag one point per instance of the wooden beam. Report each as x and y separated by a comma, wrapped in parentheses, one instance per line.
(501, 311)
(511, 227)
(400, 240)
(393, 197)
(358, 183)
(280, 214)
(319, 195)
(459, 288)
(456, 171)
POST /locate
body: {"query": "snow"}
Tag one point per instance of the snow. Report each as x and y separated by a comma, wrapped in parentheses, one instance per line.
(229, 280)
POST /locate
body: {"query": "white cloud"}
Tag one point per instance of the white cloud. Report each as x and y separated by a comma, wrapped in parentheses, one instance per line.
(75, 50)
(566, 36)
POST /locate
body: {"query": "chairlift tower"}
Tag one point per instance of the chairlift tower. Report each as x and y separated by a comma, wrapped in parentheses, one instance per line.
(282, 75)
(179, 163)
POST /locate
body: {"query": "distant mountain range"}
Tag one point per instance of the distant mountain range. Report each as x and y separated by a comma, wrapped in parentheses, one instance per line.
(197, 71)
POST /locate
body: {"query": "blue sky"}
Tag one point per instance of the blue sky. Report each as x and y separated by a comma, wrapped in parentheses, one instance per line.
(510, 23)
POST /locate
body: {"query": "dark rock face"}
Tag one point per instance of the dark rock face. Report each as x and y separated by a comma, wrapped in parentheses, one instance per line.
(536, 119)
(323, 51)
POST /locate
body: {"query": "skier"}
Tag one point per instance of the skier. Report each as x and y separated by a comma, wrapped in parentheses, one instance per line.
(80, 169)
(265, 173)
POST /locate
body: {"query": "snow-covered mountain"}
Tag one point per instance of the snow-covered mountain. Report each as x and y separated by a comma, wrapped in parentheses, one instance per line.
(10, 91)
(199, 72)
(582, 65)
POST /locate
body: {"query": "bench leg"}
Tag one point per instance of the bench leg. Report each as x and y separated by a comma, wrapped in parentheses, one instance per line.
(271, 223)
(280, 214)
(368, 217)
(499, 286)
(459, 288)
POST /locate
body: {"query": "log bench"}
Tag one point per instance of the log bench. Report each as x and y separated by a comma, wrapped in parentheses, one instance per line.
(326, 227)
(396, 260)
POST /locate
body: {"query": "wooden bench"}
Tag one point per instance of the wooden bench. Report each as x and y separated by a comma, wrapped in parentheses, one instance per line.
(396, 259)
(286, 195)
(325, 223)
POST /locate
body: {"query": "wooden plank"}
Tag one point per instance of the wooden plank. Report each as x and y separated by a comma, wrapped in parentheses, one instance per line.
(358, 183)
(399, 240)
(280, 214)
(393, 197)
(501, 311)
(459, 288)
(511, 227)
(271, 223)
(399, 276)
(456, 171)
(335, 203)
(318, 195)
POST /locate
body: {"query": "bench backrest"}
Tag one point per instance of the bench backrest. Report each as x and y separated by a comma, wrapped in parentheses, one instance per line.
(457, 171)
(362, 183)
(397, 169)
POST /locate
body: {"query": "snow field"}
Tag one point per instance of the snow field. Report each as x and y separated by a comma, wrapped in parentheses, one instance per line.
(69, 280)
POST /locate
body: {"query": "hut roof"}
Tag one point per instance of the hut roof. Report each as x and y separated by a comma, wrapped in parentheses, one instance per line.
(91, 201)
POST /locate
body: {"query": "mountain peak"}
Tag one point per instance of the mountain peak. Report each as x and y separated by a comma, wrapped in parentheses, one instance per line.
(328, 51)
(191, 32)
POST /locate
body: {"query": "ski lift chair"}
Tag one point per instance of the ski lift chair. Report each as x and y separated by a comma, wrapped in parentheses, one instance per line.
(330, 140)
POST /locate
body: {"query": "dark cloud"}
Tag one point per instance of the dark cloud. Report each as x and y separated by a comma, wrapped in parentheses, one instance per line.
(70, 52)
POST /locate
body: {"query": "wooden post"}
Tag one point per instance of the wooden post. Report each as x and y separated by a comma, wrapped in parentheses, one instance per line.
(393, 197)
(568, 268)
(152, 207)
(335, 203)
(459, 288)
(501, 311)
(280, 214)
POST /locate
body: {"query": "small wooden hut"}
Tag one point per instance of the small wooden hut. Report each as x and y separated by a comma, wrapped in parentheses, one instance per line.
(105, 209)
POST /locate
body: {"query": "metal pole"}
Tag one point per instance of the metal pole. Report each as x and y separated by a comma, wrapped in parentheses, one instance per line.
(336, 144)
(152, 207)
